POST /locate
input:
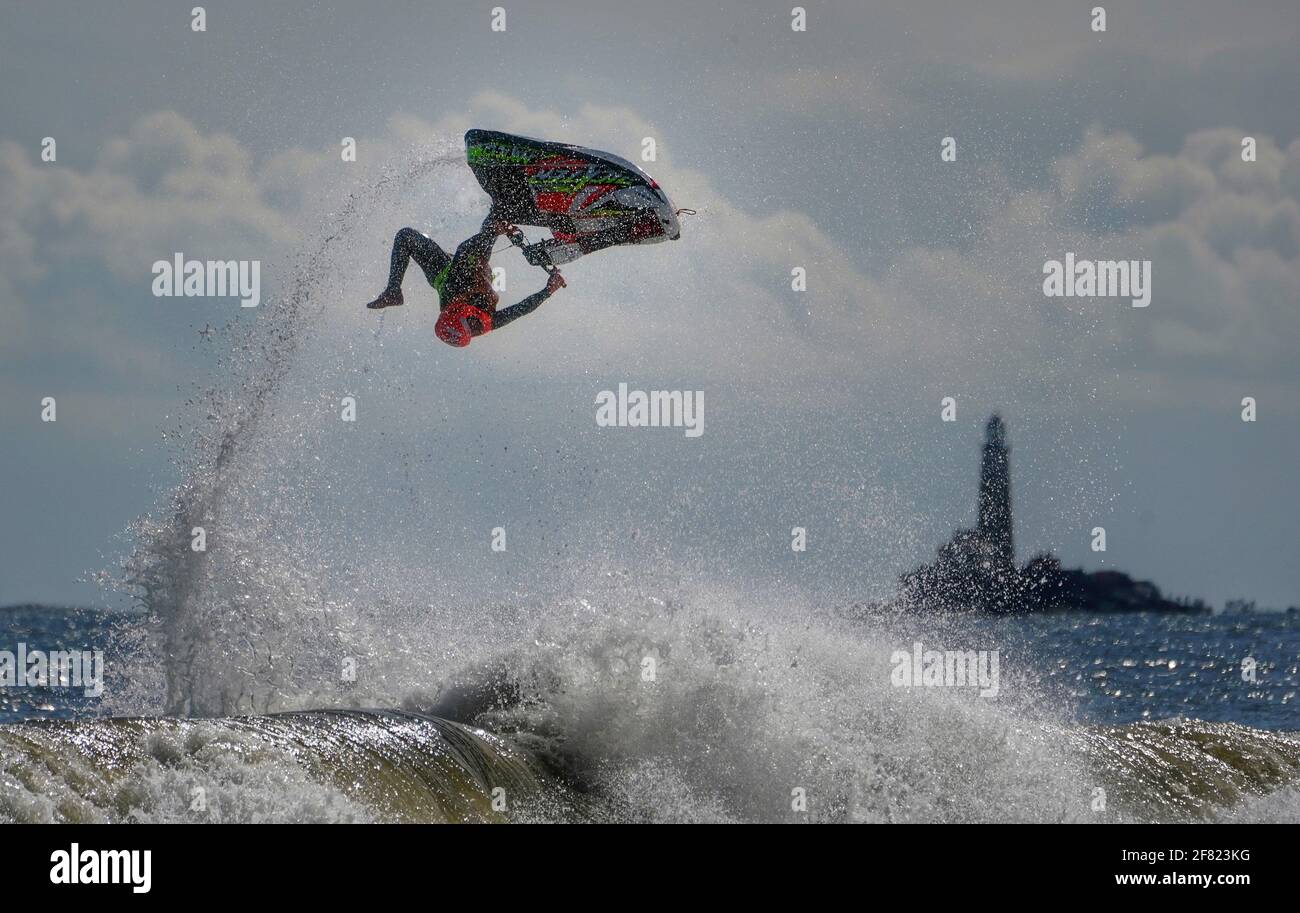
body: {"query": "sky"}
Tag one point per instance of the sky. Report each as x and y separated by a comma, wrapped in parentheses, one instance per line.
(817, 149)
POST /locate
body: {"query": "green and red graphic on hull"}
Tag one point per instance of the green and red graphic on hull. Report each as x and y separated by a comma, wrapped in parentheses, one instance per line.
(587, 198)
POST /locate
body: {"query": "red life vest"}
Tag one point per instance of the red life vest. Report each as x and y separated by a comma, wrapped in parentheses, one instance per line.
(453, 323)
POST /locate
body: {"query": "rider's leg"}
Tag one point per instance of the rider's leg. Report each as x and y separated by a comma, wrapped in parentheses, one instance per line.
(409, 244)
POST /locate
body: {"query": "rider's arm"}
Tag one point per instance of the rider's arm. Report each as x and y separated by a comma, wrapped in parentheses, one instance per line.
(481, 244)
(475, 251)
(515, 311)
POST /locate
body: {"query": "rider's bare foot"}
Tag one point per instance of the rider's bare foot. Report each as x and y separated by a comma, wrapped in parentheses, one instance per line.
(387, 300)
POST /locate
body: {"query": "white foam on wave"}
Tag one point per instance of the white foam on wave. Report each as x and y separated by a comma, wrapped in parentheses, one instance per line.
(750, 704)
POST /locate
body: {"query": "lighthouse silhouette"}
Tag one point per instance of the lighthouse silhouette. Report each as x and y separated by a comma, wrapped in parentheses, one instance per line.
(995, 493)
(976, 568)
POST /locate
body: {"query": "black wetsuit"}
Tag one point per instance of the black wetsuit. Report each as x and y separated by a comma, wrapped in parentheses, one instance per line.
(453, 276)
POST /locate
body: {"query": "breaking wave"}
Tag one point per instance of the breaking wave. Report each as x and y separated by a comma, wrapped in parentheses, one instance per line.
(363, 766)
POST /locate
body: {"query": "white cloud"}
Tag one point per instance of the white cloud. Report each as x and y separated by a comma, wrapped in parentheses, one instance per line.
(1223, 241)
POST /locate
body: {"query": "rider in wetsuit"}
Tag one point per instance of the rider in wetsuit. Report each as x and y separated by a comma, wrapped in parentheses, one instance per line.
(463, 281)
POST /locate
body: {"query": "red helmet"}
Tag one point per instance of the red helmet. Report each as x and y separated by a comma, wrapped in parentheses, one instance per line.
(453, 323)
